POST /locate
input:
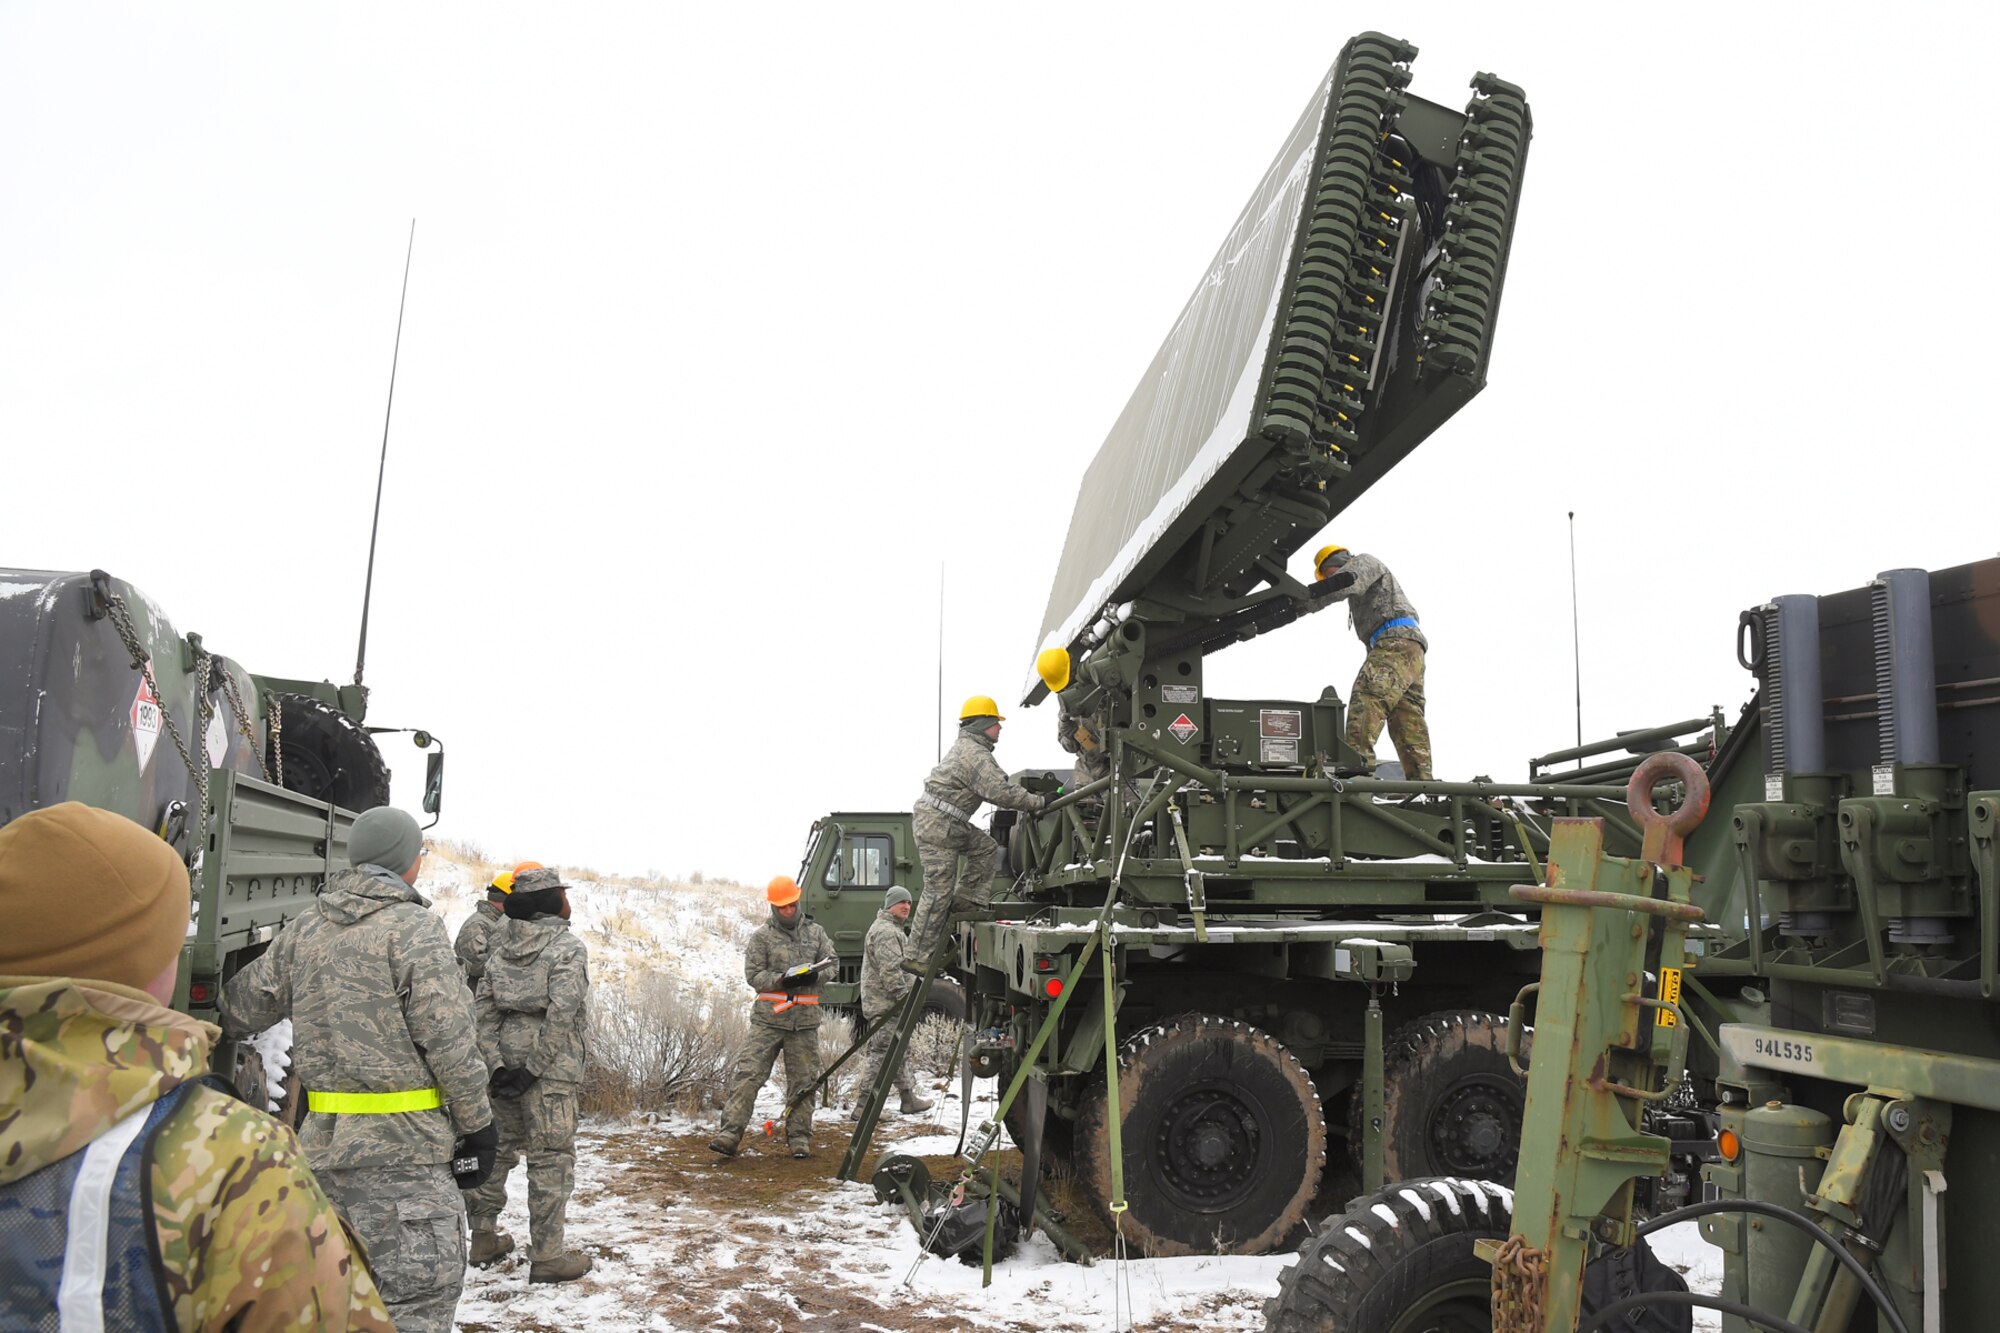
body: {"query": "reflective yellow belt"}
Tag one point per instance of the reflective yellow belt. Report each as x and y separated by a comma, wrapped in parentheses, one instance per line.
(374, 1103)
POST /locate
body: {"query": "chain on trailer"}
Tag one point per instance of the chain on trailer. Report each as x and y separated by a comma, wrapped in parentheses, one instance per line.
(120, 616)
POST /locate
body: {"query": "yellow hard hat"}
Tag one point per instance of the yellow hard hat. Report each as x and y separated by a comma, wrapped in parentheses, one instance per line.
(980, 705)
(781, 891)
(1320, 559)
(1052, 665)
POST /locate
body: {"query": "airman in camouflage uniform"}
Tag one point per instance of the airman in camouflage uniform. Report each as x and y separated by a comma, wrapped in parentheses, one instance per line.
(238, 1234)
(779, 962)
(959, 859)
(1390, 685)
(381, 1021)
(534, 1014)
(475, 936)
(884, 985)
(1082, 734)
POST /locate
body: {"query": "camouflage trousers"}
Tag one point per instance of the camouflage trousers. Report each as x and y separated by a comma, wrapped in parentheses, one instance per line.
(412, 1219)
(959, 861)
(1090, 766)
(540, 1125)
(753, 1070)
(877, 1051)
(1390, 688)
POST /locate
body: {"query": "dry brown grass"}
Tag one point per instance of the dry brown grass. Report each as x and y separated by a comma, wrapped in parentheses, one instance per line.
(660, 1043)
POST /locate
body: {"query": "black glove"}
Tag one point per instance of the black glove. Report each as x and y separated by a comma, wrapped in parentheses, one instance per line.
(1344, 579)
(510, 1082)
(805, 980)
(473, 1155)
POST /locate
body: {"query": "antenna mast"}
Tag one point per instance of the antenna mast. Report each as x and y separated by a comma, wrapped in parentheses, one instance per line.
(1575, 632)
(937, 722)
(381, 468)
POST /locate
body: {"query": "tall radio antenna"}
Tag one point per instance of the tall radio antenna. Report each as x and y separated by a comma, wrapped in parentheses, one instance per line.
(1575, 632)
(382, 468)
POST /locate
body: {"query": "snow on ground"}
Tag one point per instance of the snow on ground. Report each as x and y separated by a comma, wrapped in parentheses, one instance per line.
(684, 1240)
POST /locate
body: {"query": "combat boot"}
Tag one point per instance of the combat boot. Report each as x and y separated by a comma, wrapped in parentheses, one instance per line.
(802, 1148)
(489, 1248)
(566, 1267)
(723, 1144)
(914, 1104)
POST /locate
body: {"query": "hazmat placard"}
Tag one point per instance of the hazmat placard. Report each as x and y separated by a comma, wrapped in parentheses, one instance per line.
(1183, 728)
(145, 720)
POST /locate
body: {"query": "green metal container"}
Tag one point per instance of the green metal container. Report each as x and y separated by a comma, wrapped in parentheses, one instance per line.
(1781, 1162)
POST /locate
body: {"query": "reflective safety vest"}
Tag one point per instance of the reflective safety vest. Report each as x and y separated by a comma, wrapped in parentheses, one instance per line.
(76, 1236)
(783, 1000)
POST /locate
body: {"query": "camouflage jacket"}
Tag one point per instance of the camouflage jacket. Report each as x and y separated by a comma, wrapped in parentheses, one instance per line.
(246, 1239)
(774, 950)
(1375, 598)
(475, 937)
(883, 981)
(969, 774)
(377, 1003)
(534, 1008)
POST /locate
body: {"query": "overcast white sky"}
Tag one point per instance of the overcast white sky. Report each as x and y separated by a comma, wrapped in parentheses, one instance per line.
(729, 326)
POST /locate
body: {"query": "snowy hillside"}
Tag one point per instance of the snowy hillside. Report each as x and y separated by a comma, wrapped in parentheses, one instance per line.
(685, 1241)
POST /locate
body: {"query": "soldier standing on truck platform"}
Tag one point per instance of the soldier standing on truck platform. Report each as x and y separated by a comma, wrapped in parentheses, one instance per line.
(383, 1043)
(1079, 733)
(942, 822)
(476, 934)
(207, 1216)
(533, 1010)
(1390, 685)
(884, 985)
(782, 963)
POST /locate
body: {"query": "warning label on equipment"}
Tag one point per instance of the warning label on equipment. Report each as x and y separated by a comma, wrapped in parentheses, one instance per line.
(1183, 728)
(1670, 993)
(1180, 694)
(145, 722)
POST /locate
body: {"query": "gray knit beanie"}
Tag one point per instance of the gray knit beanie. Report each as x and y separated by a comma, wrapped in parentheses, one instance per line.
(898, 894)
(386, 837)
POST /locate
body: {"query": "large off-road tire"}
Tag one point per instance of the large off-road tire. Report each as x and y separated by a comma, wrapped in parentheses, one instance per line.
(946, 999)
(327, 755)
(1398, 1261)
(1224, 1139)
(1451, 1104)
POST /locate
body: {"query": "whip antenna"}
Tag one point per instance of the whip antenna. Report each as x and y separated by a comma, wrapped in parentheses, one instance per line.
(1575, 634)
(937, 723)
(382, 467)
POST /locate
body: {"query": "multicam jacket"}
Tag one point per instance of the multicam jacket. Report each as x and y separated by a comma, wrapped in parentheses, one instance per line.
(377, 1005)
(884, 983)
(244, 1236)
(968, 775)
(774, 949)
(1374, 599)
(475, 937)
(534, 1008)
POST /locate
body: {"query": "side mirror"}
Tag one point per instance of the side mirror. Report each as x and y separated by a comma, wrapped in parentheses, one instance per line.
(434, 782)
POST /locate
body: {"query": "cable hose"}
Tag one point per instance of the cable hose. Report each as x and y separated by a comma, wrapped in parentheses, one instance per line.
(1776, 1323)
(1799, 1220)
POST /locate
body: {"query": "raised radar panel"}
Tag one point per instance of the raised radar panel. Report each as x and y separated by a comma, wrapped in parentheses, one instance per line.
(1348, 313)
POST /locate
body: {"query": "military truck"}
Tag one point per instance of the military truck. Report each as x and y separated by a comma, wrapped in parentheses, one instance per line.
(1309, 973)
(1841, 1029)
(253, 779)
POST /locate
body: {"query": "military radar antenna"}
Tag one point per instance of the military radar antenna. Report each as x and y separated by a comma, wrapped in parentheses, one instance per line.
(1349, 313)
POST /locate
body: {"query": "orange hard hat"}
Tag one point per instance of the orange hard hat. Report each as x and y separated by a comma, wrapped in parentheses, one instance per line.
(782, 891)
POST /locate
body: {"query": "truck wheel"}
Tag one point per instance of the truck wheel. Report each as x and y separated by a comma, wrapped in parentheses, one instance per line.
(945, 1000)
(327, 755)
(1223, 1139)
(1451, 1104)
(1398, 1261)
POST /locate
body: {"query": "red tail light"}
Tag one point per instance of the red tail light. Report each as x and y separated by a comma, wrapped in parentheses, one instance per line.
(1052, 987)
